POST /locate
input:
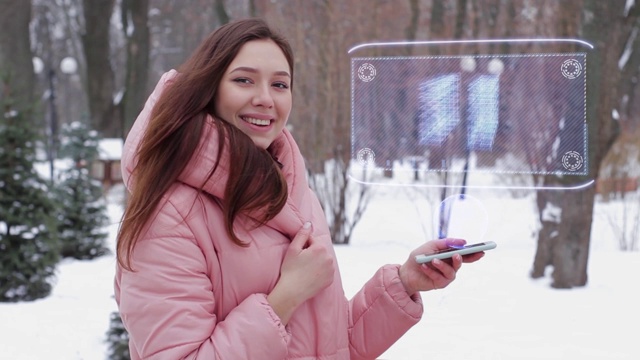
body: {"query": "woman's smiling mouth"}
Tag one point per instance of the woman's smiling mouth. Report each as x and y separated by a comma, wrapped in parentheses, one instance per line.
(254, 121)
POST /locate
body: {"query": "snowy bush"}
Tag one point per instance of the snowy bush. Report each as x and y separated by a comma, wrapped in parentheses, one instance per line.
(29, 251)
(82, 211)
(117, 339)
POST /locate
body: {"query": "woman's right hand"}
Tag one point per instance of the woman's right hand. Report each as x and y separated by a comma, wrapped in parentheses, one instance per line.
(308, 267)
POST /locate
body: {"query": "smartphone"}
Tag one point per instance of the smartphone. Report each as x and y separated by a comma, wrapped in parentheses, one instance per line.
(462, 250)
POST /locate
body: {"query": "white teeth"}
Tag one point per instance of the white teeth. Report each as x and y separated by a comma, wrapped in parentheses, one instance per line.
(255, 121)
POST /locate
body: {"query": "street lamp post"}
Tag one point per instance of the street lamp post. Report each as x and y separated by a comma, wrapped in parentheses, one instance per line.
(68, 65)
(53, 121)
(468, 65)
(494, 67)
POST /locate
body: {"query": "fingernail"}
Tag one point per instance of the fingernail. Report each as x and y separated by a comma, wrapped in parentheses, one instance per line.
(307, 225)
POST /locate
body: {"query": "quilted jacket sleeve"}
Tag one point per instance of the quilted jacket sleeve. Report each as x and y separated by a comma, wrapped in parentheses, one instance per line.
(167, 304)
(380, 313)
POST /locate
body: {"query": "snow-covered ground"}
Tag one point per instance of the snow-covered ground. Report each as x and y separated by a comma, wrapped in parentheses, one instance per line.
(493, 310)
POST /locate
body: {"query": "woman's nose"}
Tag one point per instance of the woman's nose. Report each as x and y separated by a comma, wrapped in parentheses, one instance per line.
(263, 97)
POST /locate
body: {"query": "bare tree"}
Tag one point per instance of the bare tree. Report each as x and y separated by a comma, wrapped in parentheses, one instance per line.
(343, 200)
(565, 238)
(136, 31)
(100, 74)
(331, 157)
(221, 11)
(620, 165)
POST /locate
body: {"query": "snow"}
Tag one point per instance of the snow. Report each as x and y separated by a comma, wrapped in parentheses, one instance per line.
(131, 25)
(110, 148)
(552, 213)
(493, 310)
(627, 6)
(628, 49)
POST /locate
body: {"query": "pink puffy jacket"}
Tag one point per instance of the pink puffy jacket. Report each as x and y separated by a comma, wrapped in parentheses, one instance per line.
(194, 294)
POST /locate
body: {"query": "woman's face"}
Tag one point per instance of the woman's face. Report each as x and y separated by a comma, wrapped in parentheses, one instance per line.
(255, 92)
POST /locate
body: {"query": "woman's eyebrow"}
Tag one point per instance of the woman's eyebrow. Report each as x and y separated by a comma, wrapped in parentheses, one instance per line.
(254, 70)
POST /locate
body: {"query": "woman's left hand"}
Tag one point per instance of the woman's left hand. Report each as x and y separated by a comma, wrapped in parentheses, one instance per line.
(436, 274)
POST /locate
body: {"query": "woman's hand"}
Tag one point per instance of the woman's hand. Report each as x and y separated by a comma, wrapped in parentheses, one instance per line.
(308, 268)
(438, 273)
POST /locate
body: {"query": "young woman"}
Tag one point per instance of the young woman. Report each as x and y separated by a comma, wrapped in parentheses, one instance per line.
(224, 251)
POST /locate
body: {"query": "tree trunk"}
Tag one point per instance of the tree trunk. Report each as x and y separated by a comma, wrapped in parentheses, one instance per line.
(547, 233)
(221, 12)
(564, 242)
(136, 12)
(571, 252)
(100, 76)
(16, 66)
(436, 27)
(253, 10)
(412, 28)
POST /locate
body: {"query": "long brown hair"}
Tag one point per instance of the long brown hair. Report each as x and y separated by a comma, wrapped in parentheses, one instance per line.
(176, 127)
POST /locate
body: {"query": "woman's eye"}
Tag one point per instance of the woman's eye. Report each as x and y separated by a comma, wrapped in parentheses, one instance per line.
(242, 80)
(281, 85)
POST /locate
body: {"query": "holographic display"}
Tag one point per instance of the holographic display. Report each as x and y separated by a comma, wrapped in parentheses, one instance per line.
(499, 113)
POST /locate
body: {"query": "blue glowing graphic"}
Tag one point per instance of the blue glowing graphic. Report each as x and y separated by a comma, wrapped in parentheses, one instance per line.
(439, 108)
(482, 112)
